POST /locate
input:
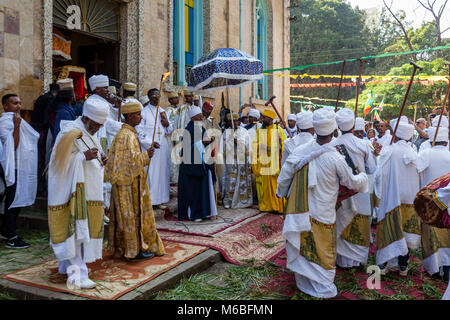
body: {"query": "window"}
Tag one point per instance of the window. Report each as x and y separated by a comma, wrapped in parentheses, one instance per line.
(187, 37)
(261, 46)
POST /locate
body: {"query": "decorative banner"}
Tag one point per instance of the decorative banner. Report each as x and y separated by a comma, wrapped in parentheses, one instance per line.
(384, 55)
(353, 84)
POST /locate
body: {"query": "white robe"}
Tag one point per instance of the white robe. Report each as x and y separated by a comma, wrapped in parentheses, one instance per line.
(431, 164)
(62, 186)
(24, 159)
(292, 130)
(290, 144)
(159, 173)
(349, 254)
(385, 140)
(107, 133)
(396, 183)
(183, 116)
(325, 173)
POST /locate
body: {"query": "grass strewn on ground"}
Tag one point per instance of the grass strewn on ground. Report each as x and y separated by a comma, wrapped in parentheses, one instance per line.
(244, 282)
(15, 259)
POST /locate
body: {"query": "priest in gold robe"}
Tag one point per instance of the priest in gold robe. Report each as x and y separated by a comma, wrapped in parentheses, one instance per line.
(267, 148)
(132, 229)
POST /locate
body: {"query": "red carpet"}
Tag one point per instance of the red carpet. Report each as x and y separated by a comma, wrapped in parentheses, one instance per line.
(257, 239)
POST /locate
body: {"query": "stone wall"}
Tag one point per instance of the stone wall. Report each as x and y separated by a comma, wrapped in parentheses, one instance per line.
(21, 50)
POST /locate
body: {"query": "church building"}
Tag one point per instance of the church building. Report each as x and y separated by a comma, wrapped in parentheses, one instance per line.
(138, 41)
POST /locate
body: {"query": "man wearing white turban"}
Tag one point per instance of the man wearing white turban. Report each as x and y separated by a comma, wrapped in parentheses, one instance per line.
(253, 123)
(431, 164)
(310, 180)
(75, 194)
(353, 216)
(396, 184)
(100, 87)
(306, 134)
(292, 126)
(431, 132)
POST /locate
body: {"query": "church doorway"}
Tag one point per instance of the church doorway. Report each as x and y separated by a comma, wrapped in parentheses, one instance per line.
(85, 41)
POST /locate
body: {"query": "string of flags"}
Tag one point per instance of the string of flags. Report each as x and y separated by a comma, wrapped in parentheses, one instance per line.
(384, 55)
(307, 100)
(435, 78)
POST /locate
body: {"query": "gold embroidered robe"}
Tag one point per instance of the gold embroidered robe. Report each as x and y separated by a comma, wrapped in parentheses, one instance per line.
(132, 226)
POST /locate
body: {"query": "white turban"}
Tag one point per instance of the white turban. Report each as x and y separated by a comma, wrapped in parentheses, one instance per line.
(405, 130)
(194, 111)
(254, 113)
(98, 81)
(292, 117)
(324, 121)
(305, 120)
(360, 125)
(393, 122)
(345, 119)
(442, 134)
(444, 121)
(144, 100)
(96, 110)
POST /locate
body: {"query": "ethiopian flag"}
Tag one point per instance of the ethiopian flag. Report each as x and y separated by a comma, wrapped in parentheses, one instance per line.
(369, 103)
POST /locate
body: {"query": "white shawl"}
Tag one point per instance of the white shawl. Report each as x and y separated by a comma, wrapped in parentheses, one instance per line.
(27, 159)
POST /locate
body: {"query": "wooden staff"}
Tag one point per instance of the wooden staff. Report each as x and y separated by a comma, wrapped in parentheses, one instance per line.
(215, 166)
(270, 101)
(406, 98)
(443, 108)
(415, 117)
(163, 77)
(358, 85)
(89, 148)
(340, 86)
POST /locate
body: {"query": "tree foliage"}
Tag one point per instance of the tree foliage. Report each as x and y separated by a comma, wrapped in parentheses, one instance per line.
(427, 95)
(331, 30)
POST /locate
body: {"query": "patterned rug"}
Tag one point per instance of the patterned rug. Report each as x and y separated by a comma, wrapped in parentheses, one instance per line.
(352, 284)
(168, 221)
(259, 240)
(114, 277)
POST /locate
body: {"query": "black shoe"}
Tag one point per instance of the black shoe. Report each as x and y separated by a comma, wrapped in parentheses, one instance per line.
(143, 256)
(446, 273)
(17, 243)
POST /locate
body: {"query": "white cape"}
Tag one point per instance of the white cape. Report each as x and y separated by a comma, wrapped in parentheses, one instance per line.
(27, 160)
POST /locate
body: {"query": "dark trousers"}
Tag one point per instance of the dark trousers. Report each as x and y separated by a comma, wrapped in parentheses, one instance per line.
(403, 260)
(10, 215)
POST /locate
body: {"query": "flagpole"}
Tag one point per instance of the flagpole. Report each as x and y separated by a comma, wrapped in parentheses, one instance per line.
(358, 86)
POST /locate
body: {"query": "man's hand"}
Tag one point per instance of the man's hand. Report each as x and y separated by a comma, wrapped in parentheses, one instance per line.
(377, 149)
(156, 145)
(151, 152)
(17, 119)
(91, 154)
(164, 120)
(104, 159)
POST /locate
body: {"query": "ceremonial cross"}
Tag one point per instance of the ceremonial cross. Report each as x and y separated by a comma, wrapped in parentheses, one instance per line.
(96, 62)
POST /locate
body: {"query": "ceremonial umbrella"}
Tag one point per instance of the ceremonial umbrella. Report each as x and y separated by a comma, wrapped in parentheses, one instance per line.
(225, 68)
